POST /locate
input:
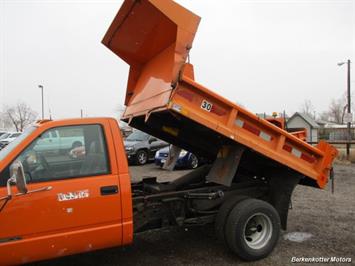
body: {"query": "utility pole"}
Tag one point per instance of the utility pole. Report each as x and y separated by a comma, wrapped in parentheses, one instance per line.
(41, 87)
(349, 114)
(348, 117)
(81, 113)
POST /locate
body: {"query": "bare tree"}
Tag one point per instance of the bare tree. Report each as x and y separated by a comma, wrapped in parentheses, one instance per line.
(308, 109)
(324, 116)
(19, 115)
(337, 110)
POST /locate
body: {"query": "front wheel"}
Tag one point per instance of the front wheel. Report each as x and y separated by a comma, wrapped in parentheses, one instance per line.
(142, 157)
(252, 229)
(194, 162)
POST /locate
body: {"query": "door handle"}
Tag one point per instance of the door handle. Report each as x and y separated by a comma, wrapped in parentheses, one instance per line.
(109, 190)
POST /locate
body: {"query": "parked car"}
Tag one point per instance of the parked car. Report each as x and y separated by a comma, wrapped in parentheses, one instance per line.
(141, 147)
(6, 138)
(186, 159)
(60, 140)
(4, 135)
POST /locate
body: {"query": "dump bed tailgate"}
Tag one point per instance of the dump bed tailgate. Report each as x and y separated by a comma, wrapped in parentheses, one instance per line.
(154, 38)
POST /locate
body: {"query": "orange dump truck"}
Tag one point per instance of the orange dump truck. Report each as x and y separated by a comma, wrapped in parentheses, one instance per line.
(56, 201)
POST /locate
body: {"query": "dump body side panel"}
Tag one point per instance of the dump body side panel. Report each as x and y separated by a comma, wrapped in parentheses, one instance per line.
(196, 102)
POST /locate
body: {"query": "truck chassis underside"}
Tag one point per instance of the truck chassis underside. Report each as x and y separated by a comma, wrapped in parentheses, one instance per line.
(192, 200)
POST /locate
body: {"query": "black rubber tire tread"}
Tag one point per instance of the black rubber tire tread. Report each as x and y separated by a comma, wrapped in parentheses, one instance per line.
(191, 166)
(137, 156)
(223, 213)
(235, 226)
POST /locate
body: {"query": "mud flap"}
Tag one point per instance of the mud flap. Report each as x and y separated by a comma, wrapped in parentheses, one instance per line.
(282, 184)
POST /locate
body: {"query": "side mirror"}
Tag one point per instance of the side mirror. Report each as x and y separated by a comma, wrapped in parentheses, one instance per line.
(17, 177)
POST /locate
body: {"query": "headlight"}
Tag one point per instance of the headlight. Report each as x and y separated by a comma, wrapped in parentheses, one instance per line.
(157, 154)
(130, 148)
(182, 153)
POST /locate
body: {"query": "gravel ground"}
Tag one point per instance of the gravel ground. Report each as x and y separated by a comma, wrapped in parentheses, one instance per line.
(327, 218)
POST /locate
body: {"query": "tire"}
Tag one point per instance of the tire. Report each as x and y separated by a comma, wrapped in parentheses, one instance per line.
(76, 144)
(252, 229)
(223, 214)
(194, 162)
(141, 157)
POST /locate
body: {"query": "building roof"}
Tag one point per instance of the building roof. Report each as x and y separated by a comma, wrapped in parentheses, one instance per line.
(339, 126)
(324, 122)
(306, 118)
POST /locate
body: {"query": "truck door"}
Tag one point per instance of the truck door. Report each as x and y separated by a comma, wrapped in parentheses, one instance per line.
(80, 211)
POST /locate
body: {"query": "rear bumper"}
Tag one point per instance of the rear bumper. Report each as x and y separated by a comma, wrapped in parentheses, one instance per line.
(181, 163)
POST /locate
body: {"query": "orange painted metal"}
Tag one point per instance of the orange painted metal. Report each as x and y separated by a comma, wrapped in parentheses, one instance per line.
(281, 123)
(277, 121)
(228, 119)
(154, 38)
(46, 227)
(301, 134)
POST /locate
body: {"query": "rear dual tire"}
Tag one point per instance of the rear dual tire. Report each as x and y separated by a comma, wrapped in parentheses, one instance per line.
(251, 228)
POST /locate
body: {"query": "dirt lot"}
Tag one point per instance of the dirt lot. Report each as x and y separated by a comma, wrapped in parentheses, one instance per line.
(329, 218)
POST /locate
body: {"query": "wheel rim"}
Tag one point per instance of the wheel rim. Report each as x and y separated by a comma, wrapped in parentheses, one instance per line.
(142, 158)
(194, 162)
(258, 231)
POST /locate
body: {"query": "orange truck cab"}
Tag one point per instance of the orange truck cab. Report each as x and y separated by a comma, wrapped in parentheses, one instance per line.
(71, 204)
(72, 198)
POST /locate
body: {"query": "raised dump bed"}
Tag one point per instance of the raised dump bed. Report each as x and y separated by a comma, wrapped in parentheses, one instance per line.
(155, 37)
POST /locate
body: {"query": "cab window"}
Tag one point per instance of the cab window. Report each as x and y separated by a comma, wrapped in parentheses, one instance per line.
(45, 135)
(78, 151)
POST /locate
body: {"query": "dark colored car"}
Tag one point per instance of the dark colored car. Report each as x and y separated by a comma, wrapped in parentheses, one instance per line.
(186, 159)
(141, 147)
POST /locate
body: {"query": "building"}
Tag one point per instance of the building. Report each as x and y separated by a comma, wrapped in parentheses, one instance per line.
(335, 132)
(299, 121)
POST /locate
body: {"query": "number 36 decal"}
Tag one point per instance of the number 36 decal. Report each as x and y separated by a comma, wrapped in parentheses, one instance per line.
(206, 106)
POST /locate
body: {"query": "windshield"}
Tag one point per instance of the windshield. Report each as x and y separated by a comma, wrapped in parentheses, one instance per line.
(5, 151)
(137, 136)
